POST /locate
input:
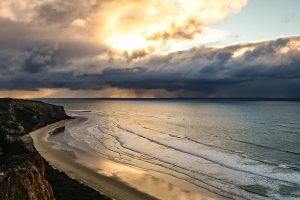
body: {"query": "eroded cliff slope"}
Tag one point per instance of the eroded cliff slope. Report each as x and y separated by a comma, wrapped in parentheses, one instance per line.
(22, 169)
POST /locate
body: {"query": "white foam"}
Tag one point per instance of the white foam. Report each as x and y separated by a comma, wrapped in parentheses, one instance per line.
(120, 138)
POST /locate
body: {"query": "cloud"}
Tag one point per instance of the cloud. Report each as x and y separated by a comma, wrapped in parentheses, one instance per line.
(160, 23)
(37, 48)
(125, 25)
(69, 46)
(187, 31)
(267, 69)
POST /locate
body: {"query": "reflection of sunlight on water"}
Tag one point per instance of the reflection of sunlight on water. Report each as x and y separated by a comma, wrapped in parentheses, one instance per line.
(181, 149)
(109, 168)
(163, 188)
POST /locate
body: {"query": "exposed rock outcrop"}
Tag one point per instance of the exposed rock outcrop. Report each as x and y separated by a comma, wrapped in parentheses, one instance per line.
(19, 117)
(22, 170)
(23, 177)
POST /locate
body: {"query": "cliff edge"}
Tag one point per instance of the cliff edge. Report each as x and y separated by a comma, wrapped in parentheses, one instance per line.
(22, 169)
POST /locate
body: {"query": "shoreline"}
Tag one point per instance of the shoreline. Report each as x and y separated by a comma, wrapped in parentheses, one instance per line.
(64, 186)
(66, 163)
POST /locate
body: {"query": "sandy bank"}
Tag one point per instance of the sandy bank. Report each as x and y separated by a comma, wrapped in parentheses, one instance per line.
(67, 162)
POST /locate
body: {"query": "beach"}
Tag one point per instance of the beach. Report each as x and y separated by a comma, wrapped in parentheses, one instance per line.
(181, 150)
(66, 162)
(103, 179)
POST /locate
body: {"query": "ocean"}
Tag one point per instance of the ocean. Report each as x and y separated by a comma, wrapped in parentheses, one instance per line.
(227, 149)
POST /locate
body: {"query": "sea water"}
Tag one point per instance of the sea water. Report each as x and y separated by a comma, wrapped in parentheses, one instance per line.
(235, 149)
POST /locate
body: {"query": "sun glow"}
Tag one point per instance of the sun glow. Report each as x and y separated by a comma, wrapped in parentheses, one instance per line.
(130, 42)
(157, 25)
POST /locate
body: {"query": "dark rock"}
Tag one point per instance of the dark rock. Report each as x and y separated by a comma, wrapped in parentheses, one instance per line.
(57, 130)
(23, 177)
(24, 174)
(22, 170)
(19, 117)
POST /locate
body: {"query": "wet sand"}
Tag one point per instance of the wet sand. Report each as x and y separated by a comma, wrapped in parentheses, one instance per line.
(66, 161)
(104, 175)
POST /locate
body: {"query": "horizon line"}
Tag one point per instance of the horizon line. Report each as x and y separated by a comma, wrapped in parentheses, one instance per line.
(168, 98)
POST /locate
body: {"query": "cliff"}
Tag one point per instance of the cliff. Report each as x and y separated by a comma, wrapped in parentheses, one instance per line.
(23, 177)
(22, 169)
(19, 117)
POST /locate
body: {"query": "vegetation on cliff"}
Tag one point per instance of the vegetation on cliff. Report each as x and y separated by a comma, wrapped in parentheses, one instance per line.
(19, 117)
(24, 174)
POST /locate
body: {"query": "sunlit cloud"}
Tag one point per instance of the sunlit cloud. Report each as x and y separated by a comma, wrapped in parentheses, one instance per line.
(137, 48)
(156, 25)
(127, 25)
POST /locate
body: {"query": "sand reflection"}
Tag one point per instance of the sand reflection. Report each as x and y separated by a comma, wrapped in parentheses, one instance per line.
(158, 185)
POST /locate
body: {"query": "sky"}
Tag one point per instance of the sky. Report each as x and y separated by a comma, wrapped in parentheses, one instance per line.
(263, 20)
(150, 48)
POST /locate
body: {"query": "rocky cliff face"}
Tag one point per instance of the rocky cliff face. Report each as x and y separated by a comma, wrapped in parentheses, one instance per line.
(19, 117)
(22, 177)
(21, 168)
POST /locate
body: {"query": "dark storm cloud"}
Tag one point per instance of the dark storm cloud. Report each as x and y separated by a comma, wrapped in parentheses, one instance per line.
(223, 75)
(34, 56)
(32, 49)
(65, 12)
